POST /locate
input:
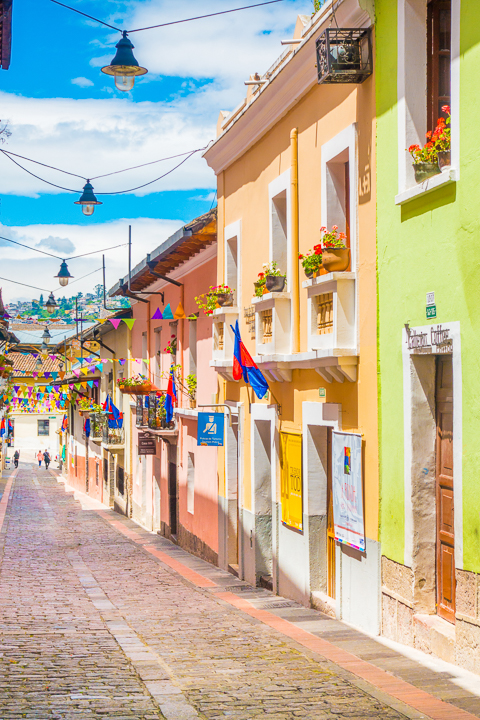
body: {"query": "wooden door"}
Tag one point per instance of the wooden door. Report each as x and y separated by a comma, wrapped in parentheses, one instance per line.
(172, 487)
(330, 524)
(445, 571)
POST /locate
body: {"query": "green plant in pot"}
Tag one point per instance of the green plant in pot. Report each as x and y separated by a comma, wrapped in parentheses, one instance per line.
(312, 261)
(191, 382)
(441, 136)
(217, 296)
(335, 254)
(259, 285)
(425, 161)
(274, 278)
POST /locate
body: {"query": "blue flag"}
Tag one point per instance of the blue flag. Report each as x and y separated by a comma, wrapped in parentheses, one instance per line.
(243, 364)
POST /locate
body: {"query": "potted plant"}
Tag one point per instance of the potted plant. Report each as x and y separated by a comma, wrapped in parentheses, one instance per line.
(425, 160)
(172, 346)
(441, 136)
(274, 278)
(259, 285)
(191, 381)
(217, 296)
(136, 385)
(312, 261)
(335, 254)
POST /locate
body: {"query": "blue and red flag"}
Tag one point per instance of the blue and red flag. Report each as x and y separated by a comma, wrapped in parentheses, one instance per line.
(2, 428)
(114, 416)
(10, 428)
(243, 364)
(171, 396)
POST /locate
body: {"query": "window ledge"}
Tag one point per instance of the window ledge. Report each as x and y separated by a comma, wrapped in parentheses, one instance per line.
(186, 412)
(226, 310)
(447, 176)
(324, 279)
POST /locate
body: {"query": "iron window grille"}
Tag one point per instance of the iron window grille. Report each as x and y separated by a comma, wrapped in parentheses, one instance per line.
(344, 55)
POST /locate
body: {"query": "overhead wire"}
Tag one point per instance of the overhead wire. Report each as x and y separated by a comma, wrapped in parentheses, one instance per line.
(172, 22)
(60, 257)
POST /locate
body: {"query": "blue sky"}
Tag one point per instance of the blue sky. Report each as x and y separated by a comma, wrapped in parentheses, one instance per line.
(62, 110)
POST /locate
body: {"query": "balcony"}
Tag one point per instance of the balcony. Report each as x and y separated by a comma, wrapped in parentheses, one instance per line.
(113, 439)
(273, 323)
(223, 340)
(97, 422)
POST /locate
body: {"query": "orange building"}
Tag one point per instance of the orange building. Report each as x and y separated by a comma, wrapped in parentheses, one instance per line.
(297, 154)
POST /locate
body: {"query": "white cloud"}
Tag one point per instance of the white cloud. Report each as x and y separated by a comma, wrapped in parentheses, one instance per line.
(63, 246)
(82, 82)
(28, 266)
(117, 132)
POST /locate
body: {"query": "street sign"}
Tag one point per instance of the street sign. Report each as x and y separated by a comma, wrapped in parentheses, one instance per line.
(210, 428)
(431, 311)
(146, 444)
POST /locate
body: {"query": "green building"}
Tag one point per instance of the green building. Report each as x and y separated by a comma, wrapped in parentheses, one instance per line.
(427, 56)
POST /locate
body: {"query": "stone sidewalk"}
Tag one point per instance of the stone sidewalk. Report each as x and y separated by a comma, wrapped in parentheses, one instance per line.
(102, 619)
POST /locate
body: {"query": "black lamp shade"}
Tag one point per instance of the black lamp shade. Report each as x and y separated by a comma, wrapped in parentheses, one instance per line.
(124, 62)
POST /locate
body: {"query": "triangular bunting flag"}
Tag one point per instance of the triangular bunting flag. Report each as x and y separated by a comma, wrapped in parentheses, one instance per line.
(90, 383)
(180, 312)
(167, 313)
(84, 385)
(129, 323)
(102, 320)
(115, 323)
(157, 315)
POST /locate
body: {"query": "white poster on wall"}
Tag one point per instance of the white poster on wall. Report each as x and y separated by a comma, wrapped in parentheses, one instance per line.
(347, 489)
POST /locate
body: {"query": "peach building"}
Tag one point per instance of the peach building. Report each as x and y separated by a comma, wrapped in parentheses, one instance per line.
(297, 153)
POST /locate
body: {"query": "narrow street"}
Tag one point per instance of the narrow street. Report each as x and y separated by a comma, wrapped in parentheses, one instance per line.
(101, 619)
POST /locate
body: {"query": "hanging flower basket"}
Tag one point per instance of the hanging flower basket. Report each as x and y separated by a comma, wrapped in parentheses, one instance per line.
(225, 299)
(137, 385)
(143, 389)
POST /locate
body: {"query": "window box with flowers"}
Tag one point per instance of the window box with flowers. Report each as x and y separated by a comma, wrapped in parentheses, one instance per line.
(217, 296)
(271, 279)
(430, 159)
(312, 261)
(136, 385)
(335, 254)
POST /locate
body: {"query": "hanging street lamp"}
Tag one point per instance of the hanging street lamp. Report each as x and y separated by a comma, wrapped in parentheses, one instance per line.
(46, 337)
(44, 347)
(124, 66)
(63, 274)
(88, 199)
(51, 305)
(38, 364)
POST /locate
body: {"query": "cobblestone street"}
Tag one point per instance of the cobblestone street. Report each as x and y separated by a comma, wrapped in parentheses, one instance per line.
(98, 620)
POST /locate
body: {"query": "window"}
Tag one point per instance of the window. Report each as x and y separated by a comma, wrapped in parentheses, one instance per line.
(43, 427)
(158, 354)
(279, 230)
(192, 347)
(144, 354)
(339, 186)
(439, 21)
(190, 482)
(120, 480)
(232, 259)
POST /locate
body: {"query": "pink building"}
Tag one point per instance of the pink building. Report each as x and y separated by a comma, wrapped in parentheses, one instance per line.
(174, 490)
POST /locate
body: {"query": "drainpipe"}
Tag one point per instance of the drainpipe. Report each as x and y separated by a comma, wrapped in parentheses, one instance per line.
(295, 234)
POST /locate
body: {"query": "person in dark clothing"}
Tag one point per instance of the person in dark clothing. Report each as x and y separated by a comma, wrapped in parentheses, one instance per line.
(46, 457)
(16, 458)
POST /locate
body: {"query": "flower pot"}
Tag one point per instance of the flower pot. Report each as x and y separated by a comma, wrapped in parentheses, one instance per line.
(193, 403)
(313, 273)
(425, 170)
(443, 158)
(275, 283)
(225, 299)
(136, 389)
(335, 259)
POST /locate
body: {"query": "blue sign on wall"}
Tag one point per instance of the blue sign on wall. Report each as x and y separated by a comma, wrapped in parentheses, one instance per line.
(210, 428)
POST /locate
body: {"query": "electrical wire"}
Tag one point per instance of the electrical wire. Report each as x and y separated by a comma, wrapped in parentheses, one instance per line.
(15, 282)
(30, 248)
(153, 162)
(85, 15)
(173, 22)
(66, 172)
(200, 17)
(59, 257)
(117, 192)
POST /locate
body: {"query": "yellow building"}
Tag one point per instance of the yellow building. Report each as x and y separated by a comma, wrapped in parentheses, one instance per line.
(295, 155)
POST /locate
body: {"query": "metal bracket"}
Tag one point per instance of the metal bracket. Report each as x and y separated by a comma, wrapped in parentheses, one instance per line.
(221, 405)
(151, 265)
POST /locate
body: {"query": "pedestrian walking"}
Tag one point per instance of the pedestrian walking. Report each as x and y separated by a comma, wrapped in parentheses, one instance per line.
(46, 457)
(16, 458)
(39, 458)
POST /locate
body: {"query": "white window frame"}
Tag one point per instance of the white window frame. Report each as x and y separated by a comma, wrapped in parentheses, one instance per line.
(234, 230)
(346, 140)
(281, 184)
(190, 482)
(412, 100)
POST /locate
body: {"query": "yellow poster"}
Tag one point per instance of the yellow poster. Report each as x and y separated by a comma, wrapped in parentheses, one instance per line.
(292, 500)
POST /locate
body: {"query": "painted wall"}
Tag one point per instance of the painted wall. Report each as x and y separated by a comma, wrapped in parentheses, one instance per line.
(428, 244)
(27, 439)
(243, 195)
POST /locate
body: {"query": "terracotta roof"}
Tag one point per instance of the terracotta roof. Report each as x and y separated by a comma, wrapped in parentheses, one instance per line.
(180, 247)
(5, 33)
(27, 362)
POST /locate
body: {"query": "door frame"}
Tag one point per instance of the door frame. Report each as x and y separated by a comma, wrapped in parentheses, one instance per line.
(420, 345)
